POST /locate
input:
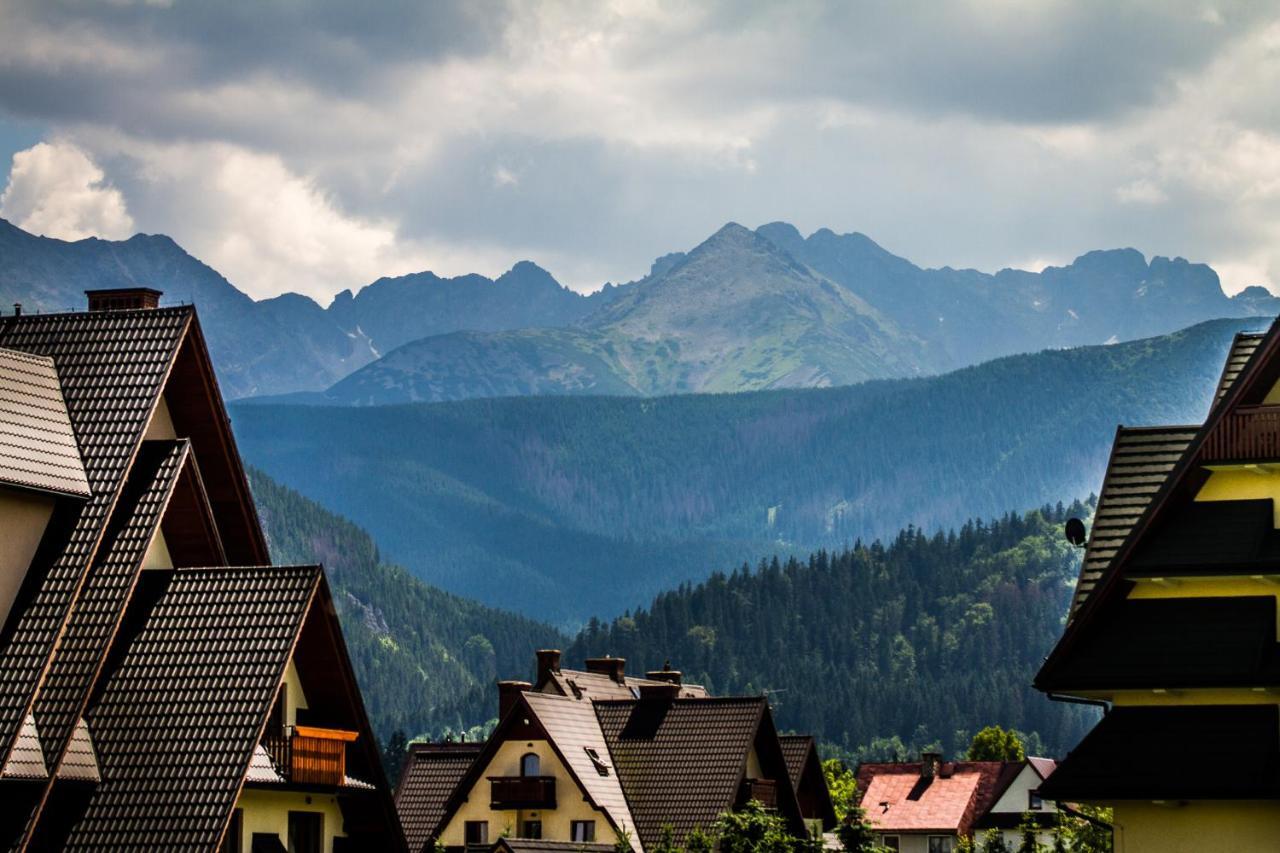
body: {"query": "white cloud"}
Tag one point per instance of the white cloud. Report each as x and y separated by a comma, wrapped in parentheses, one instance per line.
(54, 189)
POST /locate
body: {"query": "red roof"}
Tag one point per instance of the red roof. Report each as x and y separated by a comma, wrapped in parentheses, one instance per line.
(896, 798)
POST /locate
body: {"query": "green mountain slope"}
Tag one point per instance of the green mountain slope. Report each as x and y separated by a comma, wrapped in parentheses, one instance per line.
(585, 505)
(926, 639)
(425, 659)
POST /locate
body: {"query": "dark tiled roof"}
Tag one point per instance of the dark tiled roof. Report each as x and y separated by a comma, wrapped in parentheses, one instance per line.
(529, 845)
(101, 603)
(1174, 643)
(112, 366)
(178, 720)
(1225, 752)
(1141, 460)
(431, 772)
(37, 444)
(1242, 349)
(795, 749)
(680, 762)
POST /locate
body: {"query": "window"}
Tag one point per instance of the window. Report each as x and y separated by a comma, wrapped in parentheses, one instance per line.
(597, 761)
(1034, 802)
(941, 844)
(476, 832)
(530, 765)
(233, 841)
(531, 829)
(582, 830)
(890, 842)
(306, 832)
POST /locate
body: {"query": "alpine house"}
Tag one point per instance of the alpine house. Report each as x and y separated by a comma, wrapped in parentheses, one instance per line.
(1172, 628)
(162, 686)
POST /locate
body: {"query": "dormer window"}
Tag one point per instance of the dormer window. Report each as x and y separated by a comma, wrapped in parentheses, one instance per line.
(530, 765)
(597, 761)
(1034, 802)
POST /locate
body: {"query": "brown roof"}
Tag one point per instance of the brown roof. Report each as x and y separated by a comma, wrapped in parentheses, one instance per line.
(1242, 349)
(431, 773)
(796, 749)
(680, 761)
(594, 685)
(179, 718)
(112, 367)
(37, 444)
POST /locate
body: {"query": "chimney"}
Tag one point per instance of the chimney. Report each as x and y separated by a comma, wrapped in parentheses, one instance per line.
(548, 663)
(17, 309)
(929, 764)
(664, 692)
(508, 694)
(615, 668)
(670, 676)
(123, 299)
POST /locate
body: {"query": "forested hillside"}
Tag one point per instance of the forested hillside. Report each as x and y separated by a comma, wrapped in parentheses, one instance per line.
(879, 648)
(426, 660)
(568, 507)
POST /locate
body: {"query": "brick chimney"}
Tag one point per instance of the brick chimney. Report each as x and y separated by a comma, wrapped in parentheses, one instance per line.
(930, 763)
(508, 694)
(615, 668)
(670, 676)
(123, 298)
(548, 663)
(664, 692)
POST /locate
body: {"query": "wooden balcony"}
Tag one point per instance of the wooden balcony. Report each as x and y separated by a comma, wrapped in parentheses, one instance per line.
(522, 792)
(1249, 434)
(763, 791)
(306, 755)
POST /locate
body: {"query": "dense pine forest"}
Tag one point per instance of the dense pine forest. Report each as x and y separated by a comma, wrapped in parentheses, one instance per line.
(881, 649)
(569, 507)
(426, 660)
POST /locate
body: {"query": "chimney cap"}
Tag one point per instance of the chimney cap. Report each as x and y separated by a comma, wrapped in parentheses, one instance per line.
(123, 298)
(670, 676)
(615, 668)
(664, 691)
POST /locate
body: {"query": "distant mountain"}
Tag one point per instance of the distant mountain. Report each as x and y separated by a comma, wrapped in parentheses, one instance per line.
(426, 660)
(586, 505)
(771, 309)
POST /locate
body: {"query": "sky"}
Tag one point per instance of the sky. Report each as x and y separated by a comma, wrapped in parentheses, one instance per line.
(315, 146)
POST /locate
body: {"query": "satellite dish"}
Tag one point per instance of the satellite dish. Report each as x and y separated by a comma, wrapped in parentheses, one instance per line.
(1075, 532)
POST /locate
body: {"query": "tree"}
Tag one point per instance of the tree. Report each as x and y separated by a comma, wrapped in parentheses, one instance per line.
(393, 755)
(842, 784)
(1028, 829)
(1085, 829)
(697, 841)
(993, 842)
(996, 744)
(753, 829)
(666, 840)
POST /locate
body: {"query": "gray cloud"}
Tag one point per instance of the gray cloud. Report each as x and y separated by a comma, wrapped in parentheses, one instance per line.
(592, 137)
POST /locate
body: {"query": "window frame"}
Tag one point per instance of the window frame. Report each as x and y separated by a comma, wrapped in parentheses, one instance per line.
(468, 826)
(948, 840)
(1035, 802)
(525, 827)
(309, 815)
(893, 842)
(537, 765)
(590, 831)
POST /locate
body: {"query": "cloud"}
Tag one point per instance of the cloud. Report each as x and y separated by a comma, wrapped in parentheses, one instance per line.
(54, 189)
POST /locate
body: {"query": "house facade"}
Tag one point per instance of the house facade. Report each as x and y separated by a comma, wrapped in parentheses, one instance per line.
(162, 686)
(927, 806)
(593, 756)
(1172, 629)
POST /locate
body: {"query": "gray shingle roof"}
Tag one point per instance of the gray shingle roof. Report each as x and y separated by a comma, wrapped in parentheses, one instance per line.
(680, 762)
(1243, 347)
(112, 366)
(178, 720)
(431, 773)
(102, 600)
(1141, 460)
(38, 447)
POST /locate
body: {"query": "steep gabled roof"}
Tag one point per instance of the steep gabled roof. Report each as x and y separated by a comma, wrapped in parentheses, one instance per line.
(796, 750)
(431, 773)
(804, 765)
(186, 706)
(37, 444)
(680, 761)
(112, 367)
(898, 799)
(1242, 349)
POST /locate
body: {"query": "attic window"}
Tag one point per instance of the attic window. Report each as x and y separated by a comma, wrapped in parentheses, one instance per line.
(573, 685)
(601, 767)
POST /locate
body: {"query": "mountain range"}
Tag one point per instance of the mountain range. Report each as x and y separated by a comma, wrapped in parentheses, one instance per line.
(743, 310)
(567, 507)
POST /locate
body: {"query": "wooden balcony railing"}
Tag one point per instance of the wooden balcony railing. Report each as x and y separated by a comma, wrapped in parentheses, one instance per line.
(763, 791)
(1249, 434)
(307, 755)
(522, 792)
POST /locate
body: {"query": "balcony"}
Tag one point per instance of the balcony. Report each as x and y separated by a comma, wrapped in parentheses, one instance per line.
(522, 792)
(763, 791)
(1249, 434)
(306, 755)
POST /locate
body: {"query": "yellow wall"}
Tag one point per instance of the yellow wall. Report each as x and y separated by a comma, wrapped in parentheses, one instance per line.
(1243, 483)
(570, 802)
(161, 425)
(268, 811)
(1142, 827)
(295, 697)
(23, 517)
(157, 556)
